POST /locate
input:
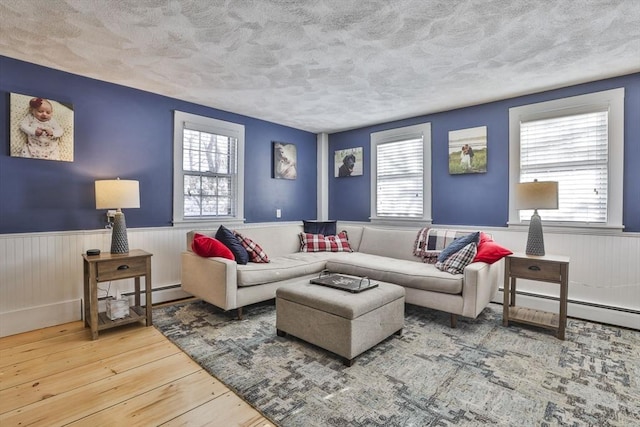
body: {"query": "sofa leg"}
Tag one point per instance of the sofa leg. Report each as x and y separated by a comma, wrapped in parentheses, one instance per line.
(239, 313)
(454, 321)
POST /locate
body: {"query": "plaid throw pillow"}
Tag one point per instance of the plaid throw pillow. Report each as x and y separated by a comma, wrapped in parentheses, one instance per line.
(458, 244)
(430, 257)
(431, 241)
(420, 245)
(321, 243)
(438, 239)
(256, 253)
(456, 263)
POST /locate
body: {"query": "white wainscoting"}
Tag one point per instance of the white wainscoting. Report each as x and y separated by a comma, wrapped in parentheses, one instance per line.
(41, 278)
(604, 275)
(41, 274)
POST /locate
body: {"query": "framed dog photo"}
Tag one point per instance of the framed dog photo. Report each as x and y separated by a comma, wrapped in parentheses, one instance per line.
(40, 128)
(348, 162)
(468, 150)
(285, 162)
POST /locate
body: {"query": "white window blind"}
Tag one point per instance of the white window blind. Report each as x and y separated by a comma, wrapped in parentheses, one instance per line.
(209, 165)
(572, 150)
(399, 177)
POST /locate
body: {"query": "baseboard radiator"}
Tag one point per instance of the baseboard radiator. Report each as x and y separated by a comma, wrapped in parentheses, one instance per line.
(158, 295)
(606, 314)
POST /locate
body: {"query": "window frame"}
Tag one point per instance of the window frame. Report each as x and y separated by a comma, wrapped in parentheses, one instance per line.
(216, 126)
(611, 100)
(422, 130)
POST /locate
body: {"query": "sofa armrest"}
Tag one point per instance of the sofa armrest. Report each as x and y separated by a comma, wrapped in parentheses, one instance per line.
(480, 285)
(213, 280)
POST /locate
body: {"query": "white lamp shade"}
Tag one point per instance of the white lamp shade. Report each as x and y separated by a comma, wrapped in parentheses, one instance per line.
(537, 195)
(117, 194)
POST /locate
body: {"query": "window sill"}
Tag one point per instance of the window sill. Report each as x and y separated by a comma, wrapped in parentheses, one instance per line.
(401, 222)
(208, 222)
(566, 228)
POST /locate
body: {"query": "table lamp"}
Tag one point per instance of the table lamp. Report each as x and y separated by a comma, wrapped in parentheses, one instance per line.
(118, 194)
(536, 195)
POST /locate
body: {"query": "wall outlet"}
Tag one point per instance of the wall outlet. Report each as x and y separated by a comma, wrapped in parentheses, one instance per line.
(278, 213)
(111, 213)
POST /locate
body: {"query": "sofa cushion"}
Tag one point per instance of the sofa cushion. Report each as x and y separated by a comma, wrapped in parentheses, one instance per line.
(321, 243)
(206, 246)
(489, 251)
(229, 239)
(255, 251)
(456, 263)
(276, 239)
(279, 268)
(410, 274)
(394, 243)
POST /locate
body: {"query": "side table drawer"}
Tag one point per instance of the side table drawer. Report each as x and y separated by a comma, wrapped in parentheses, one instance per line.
(535, 270)
(121, 269)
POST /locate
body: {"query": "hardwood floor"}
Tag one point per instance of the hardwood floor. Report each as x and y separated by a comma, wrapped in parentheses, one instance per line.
(130, 376)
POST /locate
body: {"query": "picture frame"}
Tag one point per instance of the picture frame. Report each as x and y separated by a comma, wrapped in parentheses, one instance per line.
(285, 162)
(468, 151)
(40, 128)
(348, 162)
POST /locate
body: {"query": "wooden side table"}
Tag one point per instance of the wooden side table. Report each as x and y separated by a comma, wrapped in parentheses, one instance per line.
(105, 267)
(547, 268)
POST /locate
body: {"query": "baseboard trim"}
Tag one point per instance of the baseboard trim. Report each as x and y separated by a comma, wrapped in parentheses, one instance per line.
(32, 318)
(584, 310)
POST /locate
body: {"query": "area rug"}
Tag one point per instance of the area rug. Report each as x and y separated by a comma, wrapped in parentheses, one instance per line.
(432, 375)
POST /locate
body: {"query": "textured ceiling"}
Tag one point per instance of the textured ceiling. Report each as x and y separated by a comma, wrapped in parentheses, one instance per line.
(328, 65)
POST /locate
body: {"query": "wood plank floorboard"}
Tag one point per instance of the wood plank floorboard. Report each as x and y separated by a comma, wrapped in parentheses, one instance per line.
(130, 376)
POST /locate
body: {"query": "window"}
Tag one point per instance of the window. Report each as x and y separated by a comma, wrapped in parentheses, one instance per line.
(401, 174)
(208, 178)
(578, 142)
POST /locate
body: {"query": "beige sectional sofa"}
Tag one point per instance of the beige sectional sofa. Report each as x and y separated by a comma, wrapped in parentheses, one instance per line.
(382, 254)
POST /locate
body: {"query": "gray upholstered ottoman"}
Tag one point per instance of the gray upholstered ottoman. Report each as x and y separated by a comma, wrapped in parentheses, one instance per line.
(339, 321)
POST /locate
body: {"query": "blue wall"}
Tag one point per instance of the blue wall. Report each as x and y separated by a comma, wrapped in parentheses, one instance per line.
(481, 199)
(125, 132)
(119, 131)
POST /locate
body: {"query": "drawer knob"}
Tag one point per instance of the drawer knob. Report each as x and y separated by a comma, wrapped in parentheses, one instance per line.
(126, 267)
(534, 268)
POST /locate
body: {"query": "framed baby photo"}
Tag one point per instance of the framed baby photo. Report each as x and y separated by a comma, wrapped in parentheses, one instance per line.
(468, 150)
(40, 128)
(285, 160)
(348, 162)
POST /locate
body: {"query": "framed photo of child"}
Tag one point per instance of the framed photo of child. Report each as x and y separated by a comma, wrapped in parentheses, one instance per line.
(468, 150)
(285, 160)
(40, 128)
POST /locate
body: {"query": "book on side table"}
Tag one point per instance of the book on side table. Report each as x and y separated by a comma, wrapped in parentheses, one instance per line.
(346, 283)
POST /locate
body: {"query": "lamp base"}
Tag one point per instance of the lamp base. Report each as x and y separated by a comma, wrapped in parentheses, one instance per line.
(535, 240)
(119, 242)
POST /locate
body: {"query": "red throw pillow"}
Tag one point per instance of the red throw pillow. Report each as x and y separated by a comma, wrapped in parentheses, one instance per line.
(206, 246)
(484, 237)
(489, 251)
